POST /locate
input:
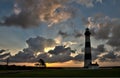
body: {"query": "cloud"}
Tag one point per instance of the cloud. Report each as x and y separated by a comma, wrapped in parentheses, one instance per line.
(98, 51)
(32, 13)
(2, 50)
(114, 34)
(102, 26)
(22, 57)
(39, 43)
(58, 54)
(110, 57)
(60, 49)
(105, 28)
(35, 46)
(63, 34)
(63, 54)
(55, 58)
(23, 19)
(24, 15)
(58, 39)
(4, 55)
(60, 58)
(88, 3)
(79, 57)
(77, 34)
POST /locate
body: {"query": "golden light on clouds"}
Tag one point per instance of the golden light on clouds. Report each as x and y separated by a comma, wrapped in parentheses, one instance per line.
(54, 14)
(48, 49)
(58, 39)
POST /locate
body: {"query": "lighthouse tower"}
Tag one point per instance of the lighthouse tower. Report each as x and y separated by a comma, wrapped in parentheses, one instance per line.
(87, 56)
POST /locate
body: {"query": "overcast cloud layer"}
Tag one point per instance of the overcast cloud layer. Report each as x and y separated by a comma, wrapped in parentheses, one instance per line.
(35, 51)
(34, 12)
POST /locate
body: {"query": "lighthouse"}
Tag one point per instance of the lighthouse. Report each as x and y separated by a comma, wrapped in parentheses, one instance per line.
(87, 55)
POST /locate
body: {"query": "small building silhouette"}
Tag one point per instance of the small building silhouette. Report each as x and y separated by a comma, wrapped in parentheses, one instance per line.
(94, 66)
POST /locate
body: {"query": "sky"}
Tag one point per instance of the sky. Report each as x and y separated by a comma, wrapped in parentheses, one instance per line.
(53, 30)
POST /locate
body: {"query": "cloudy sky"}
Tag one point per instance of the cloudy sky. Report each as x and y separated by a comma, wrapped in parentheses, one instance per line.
(53, 30)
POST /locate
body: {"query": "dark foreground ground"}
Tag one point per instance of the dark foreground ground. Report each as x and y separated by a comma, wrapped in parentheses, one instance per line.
(62, 72)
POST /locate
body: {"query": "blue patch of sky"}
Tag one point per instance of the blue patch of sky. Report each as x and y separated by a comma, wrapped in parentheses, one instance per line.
(6, 6)
(11, 37)
(15, 37)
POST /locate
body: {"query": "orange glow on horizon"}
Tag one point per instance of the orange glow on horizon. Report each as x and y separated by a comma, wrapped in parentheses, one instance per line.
(58, 64)
(66, 64)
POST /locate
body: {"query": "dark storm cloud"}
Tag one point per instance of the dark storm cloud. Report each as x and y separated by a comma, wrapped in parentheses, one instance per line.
(34, 12)
(58, 54)
(31, 13)
(79, 57)
(2, 50)
(111, 56)
(35, 45)
(100, 26)
(111, 33)
(4, 55)
(23, 19)
(24, 15)
(60, 49)
(60, 58)
(103, 33)
(63, 34)
(77, 34)
(39, 43)
(114, 39)
(105, 28)
(98, 51)
(55, 58)
(22, 57)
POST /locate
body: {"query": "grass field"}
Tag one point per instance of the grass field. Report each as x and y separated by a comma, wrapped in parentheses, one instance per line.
(62, 73)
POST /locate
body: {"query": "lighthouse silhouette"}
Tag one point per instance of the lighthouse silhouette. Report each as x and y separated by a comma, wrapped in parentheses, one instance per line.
(87, 57)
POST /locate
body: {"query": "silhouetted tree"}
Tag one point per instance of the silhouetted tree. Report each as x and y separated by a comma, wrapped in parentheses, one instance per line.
(6, 55)
(42, 63)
